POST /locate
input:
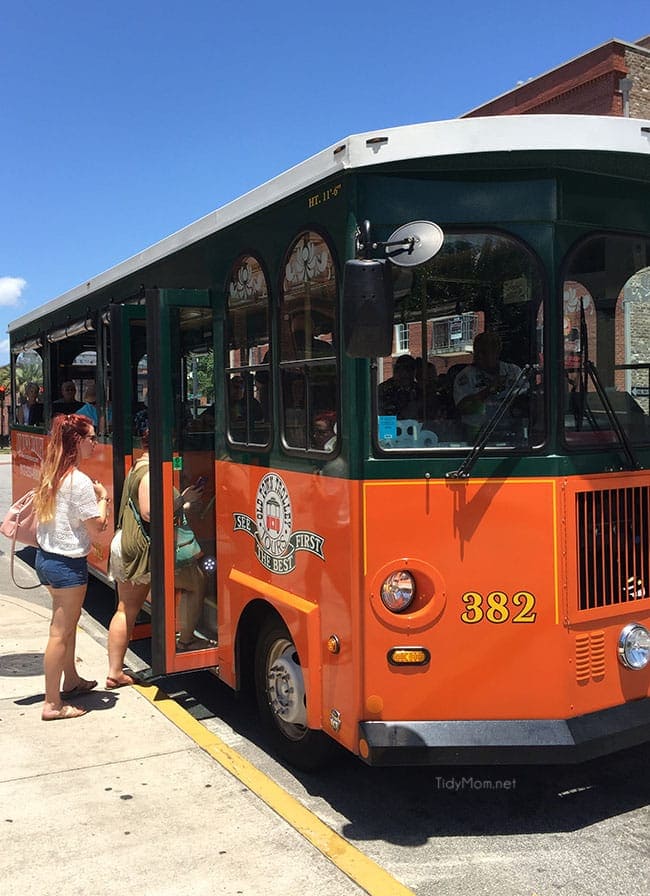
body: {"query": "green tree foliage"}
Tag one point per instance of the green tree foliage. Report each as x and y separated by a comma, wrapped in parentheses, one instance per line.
(201, 377)
(29, 369)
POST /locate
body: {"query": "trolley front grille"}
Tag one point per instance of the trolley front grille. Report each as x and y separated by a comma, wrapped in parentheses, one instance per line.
(612, 546)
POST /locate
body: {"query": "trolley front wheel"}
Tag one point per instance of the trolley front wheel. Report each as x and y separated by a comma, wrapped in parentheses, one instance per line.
(282, 701)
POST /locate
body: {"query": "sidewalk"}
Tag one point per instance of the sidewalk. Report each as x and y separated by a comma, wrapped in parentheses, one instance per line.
(121, 800)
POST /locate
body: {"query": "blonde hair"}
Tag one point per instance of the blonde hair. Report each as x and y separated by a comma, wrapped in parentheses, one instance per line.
(62, 454)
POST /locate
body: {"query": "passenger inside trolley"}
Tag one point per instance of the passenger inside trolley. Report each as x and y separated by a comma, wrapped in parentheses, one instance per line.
(68, 403)
(30, 413)
(323, 434)
(401, 394)
(481, 386)
(243, 408)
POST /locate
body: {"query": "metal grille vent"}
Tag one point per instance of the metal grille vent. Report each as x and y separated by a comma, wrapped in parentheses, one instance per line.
(590, 656)
(612, 546)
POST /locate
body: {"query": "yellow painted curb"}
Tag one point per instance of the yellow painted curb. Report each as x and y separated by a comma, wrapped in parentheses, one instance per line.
(351, 861)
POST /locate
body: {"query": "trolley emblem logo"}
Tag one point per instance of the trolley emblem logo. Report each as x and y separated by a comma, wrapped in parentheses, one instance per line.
(276, 545)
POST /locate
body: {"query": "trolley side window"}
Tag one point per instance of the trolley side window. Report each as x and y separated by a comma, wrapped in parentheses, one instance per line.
(308, 347)
(248, 392)
(606, 340)
(73, 366)
(28, 388)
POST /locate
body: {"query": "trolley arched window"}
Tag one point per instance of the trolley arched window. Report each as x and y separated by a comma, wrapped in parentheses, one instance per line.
(308, 349)
(28, 386)
(607, 340)
(248, 386)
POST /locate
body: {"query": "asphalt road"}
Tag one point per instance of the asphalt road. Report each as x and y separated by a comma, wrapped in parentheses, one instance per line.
(576, 831)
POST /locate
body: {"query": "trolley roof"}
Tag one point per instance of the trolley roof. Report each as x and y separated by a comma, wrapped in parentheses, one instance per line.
(511, 133)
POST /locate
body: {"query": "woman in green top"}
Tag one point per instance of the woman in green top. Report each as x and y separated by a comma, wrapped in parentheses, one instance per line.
(131, 570)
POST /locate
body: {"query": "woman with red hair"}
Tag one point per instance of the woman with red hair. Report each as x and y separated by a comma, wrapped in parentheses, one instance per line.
(71, 509)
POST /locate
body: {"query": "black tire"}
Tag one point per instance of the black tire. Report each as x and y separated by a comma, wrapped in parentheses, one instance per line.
(280, 695)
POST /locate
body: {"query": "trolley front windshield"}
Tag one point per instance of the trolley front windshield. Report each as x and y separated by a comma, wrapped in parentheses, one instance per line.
(466, 349)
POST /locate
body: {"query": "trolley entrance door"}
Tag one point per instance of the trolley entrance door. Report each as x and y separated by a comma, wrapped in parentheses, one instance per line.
(126, 390)
(181, 405)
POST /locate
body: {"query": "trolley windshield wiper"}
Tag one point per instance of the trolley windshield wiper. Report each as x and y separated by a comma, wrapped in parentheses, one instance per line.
(592, 372)
(579, 404)
(581, 407)
(490, 425)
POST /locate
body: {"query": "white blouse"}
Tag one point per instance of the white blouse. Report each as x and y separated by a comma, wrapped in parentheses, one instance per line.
(66, 533)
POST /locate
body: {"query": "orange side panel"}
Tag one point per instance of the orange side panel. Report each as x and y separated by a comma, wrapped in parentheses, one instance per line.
(292, 540)
(28, 451)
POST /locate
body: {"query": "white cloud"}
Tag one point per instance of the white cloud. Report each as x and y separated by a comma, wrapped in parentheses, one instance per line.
(11, 289)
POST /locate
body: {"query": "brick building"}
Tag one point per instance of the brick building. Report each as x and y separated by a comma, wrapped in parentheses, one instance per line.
(612, 79)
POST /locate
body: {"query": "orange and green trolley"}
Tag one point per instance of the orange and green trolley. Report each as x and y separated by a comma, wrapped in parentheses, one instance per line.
(409, 551)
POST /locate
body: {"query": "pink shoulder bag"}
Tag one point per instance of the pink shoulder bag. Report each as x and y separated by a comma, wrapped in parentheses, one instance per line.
(19, 525)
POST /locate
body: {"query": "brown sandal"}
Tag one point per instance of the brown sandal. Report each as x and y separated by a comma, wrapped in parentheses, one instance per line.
(66, 712)
(113, 683)
(84, 687)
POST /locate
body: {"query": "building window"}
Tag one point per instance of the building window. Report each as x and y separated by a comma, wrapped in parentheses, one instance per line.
(401, 338)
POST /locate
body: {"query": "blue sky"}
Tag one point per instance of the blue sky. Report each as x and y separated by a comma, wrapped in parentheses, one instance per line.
(123, 122)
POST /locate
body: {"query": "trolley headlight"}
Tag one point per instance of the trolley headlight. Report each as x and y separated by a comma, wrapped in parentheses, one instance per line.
(398, 591)
(634, 646)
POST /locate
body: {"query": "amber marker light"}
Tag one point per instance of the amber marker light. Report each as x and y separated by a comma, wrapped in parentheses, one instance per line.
(408, 656)
(333, 644)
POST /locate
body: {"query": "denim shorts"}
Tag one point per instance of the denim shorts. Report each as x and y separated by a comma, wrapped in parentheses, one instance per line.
(58, 571)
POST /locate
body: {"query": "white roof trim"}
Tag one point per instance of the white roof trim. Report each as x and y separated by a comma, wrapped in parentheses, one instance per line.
(508, 133)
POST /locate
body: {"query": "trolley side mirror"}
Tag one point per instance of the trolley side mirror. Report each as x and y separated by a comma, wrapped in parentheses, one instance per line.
(368, 307)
